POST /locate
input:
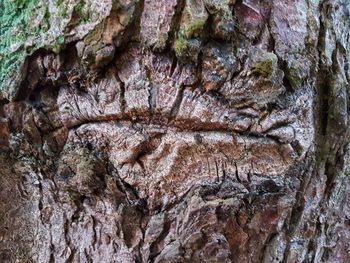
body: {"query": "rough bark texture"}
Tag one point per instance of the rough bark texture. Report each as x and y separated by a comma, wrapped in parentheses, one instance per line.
(174, 131)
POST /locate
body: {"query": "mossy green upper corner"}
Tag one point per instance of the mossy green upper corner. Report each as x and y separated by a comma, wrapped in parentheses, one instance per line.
(194, 20)
(28, 25)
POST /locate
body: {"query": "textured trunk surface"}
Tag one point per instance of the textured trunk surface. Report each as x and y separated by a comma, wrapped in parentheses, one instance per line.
(174, 131)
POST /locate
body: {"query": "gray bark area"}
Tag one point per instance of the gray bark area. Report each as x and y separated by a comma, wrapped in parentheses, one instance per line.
(187, 131)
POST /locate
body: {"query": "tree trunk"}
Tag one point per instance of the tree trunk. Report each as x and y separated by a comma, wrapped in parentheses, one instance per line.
(174, 131)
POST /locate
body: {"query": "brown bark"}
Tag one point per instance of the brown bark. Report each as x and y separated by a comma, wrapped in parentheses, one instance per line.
(186, 131)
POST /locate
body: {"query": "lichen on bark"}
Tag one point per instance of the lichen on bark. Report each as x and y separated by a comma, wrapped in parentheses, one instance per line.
(28, 26)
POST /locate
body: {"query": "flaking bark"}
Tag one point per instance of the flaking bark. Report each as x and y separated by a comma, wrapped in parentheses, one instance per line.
(175, 131)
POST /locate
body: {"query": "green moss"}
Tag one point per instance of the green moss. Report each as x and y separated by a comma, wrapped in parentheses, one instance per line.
(62, 8)
(28, 25)
(189, 31)
(266, 66)
(56, 47)
(193, 20)
(60, 40)
(16, 28)
(194, 28)
(82, 12)
(24, 28)
(180, 46)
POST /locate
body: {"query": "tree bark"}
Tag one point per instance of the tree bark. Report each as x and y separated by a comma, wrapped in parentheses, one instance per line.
(175, 131)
